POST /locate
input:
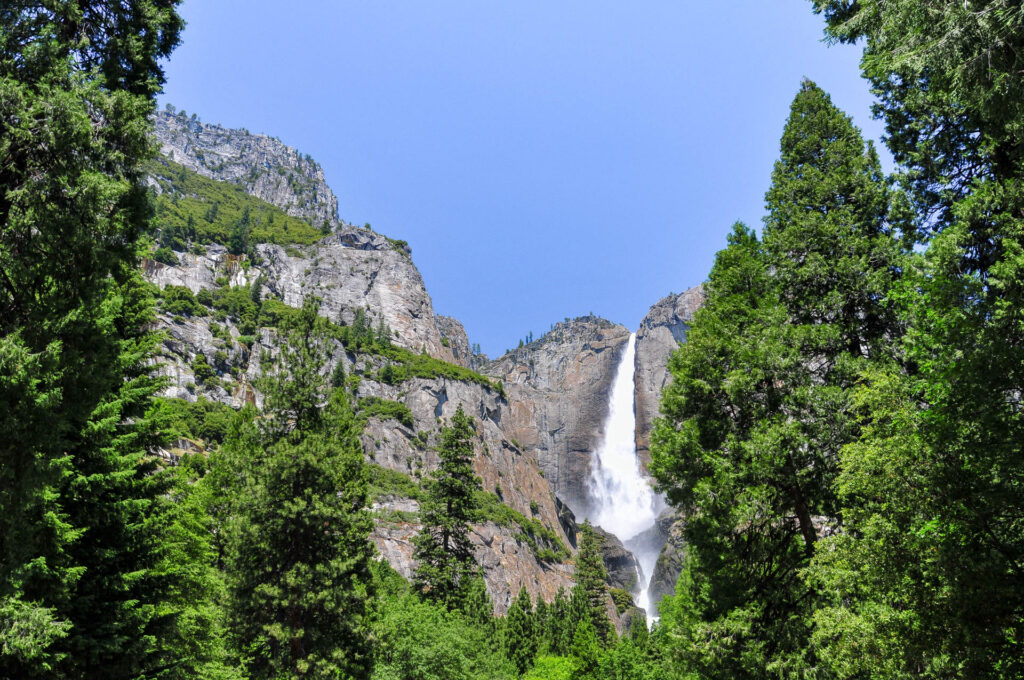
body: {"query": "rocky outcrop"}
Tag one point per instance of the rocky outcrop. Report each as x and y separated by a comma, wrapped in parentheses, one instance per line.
(352, 269)
(264, 166)
(453, 336)
(670, 559)
(659, 335)
(557, 390)
(508, 563)
(619, 563)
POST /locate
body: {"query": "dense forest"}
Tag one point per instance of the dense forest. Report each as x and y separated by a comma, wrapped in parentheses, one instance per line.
(842, 433)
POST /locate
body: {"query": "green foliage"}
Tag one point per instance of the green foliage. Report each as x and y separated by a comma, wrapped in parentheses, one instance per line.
(80, 501)
(204, 420)
(202, 369)
(27, 630)
(591, 584)
(932, 490)
(622, 599)
(404, 365)
(422, 640)
(760, 403)
(384, 481)
(551, 668)
(192, 209)
(295, 521)
(444, 554)
(384, 409)
(179, 301)
(586, 653)
(520, 632)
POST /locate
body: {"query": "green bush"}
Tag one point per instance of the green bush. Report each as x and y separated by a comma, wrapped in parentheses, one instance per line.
(179, 301)
(384, 481)
(375, 407)
(202, 369)
(203, 419)
(622, 599)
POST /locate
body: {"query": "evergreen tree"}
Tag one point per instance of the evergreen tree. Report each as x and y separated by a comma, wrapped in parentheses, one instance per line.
(933, 489)
(542, 625)
(761, 401)
(80, 505)
(559, 635)
(591, 583)
(520, 632)
(298, 554)
(586, 651)
(446, 568)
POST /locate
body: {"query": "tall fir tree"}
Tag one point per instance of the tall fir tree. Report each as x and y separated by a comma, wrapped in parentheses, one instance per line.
(80, 506)
(520, 632)
(761, 401)
(446, 569)
(298, 550)
(933, 489)
(592, 583)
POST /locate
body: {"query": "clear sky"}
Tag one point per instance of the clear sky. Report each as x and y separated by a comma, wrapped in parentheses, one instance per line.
(543, 159)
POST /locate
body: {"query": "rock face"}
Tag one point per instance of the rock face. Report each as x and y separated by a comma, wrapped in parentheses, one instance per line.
(453, 336)
(507, 558)
(357, 268)
(264, 166)
(659, 335)
(350, 269)
(670, 560)
(557, 390)
(508, 563)
(620, 563)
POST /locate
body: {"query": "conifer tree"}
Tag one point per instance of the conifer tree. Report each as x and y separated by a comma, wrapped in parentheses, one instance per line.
(591, 582)
(586, 651)
(520, 632)
(446, 568)
(298, 554)
(80, 507)
(559, 636)
(761, 401)
(933, 488)
(542, 625)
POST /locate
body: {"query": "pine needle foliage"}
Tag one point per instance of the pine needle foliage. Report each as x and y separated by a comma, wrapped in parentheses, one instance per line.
(298, 554)
(444, 554)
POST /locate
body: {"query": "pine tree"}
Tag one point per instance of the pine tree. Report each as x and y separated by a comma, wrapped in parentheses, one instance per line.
(559, 636)
(238, 242)
(586, 650)
(933, 489)
(591, 581)
(520, 632)
(298, 554)
(80, 507)
(542, 625)
(446, 567)
(761, 401)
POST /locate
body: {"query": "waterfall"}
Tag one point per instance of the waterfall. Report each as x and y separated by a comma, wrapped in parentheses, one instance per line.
(621, 500)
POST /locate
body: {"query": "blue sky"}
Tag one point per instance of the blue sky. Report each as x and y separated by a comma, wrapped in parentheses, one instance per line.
(543, 159)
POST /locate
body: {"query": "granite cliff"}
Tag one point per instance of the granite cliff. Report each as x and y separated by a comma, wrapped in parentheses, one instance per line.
(539, 409)
(558, 395)
(267, 168)
(660, 333)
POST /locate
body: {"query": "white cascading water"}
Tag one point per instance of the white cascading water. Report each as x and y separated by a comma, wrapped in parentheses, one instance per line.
(622, 501)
